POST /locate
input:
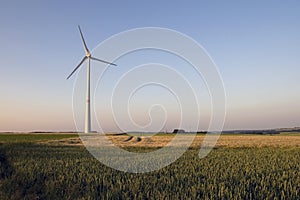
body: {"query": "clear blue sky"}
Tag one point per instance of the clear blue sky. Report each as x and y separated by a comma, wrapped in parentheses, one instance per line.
(255, 44)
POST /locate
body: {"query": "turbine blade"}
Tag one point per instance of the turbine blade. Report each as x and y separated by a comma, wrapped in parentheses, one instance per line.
(103, 61)
(83, 41)
(77, 66)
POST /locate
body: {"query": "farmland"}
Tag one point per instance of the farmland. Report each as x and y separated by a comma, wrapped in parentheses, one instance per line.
(240, 167)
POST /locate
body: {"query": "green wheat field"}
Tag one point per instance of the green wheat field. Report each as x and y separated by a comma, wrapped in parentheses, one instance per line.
(57, 166)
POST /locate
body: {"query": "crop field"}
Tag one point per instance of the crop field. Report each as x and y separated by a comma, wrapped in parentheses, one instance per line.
(57, 166)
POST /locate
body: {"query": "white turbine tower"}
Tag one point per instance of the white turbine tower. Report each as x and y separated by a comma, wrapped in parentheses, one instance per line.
(87, 128)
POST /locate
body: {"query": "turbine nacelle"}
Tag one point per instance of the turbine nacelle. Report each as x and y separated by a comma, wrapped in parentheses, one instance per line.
(87, 55)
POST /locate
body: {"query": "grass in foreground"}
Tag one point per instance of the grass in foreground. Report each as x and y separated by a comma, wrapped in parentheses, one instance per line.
(31, 171)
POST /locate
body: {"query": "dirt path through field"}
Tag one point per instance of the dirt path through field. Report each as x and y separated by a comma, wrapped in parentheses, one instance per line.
(161, 141)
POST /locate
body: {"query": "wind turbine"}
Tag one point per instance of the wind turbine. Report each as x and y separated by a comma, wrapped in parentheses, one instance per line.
(88, 56)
